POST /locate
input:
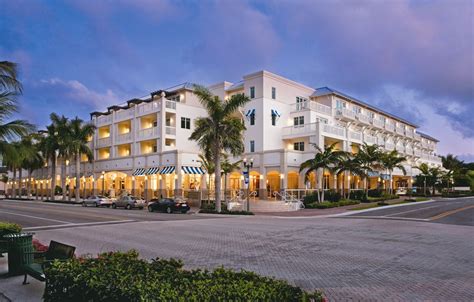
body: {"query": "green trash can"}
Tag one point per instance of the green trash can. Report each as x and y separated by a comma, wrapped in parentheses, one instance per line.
(20, 252)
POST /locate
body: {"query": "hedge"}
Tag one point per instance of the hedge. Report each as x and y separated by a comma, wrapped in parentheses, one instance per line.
(327, 204)
(9, 228)
(225, 211)
(119, 276)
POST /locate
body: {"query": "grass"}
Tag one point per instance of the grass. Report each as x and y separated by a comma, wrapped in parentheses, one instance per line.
(376, 205)
(364, 207)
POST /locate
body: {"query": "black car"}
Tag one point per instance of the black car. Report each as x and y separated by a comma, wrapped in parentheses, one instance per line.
(168, 205)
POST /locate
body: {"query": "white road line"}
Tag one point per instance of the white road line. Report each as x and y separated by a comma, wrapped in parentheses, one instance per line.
(76, 224)
(35, 217)
(390, 218)
(419, 209)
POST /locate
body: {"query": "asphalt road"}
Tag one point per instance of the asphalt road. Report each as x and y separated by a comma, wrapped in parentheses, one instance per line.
(36, 215)
(447, 211)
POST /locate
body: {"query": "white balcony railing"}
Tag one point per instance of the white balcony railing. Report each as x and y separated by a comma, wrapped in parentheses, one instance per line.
(104, 119)
(170, 105)
(148, 133)
(145, 108)
(416, 136)
(333, 130)
(355, 135)
(400, 130)
(344, 113)
(103, 142)
(124, 137)
(417, 153)
(409, 151)
(370, 139)
(364, 118)
(300, 130)
(390, 127)
(378, 123)
(389, 146)
(380, 141)
(124, 114)
(399, 148)
(314, 106)
(170, 130)
(409, 133)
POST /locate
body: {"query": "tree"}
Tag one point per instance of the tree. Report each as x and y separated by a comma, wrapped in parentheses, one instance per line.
(425, 173)
(208, 165)
(326, 159)
(77, 145)
(453, 166)
(228, 167)
(390, 161)
(351, 164)
(33, 159)
(220, 131)
(369, 156)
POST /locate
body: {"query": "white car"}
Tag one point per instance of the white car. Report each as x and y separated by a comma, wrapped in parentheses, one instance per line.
(129, 202)
(97, 201)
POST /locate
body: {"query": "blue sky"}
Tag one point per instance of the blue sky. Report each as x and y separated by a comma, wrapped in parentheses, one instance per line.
(412, 58)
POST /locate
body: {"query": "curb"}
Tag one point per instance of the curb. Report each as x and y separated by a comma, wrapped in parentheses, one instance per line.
(348, 213)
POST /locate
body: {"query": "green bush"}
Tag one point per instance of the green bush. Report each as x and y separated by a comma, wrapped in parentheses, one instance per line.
(124, 277)
(328, 204)
(310, 198)
(224, 211)
(357, 195)
(332, 196)
(9, 228)
(457, 194)
(58, 190)
(375, 193)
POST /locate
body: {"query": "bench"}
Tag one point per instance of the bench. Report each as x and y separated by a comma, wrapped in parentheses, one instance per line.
(56, 251)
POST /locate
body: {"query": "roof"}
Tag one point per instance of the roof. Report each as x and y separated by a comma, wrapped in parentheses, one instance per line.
(235, 86)
(426, 136)
(326, 90)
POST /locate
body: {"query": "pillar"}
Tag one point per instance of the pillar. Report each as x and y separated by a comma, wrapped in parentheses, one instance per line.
(262, 190)
(134, 183)
(162, 191)
(94, 186)
(178, 188)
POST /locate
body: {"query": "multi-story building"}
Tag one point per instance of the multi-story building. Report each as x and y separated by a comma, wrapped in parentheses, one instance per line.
(143, 146)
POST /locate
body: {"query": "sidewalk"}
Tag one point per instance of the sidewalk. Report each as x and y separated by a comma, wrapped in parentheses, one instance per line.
(12, 288)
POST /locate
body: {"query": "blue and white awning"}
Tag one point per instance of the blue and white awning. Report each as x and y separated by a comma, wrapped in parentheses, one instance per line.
(153, 170)
(192, 170)
(385, 176)
(275, 113)
(167, 170)
(250, 112)
(139, 172)
(373, 174)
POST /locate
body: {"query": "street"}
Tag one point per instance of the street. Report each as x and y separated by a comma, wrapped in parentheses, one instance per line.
(404, 257)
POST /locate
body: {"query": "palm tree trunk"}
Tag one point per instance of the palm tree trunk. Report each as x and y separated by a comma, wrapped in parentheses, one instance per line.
(322, 189)
(78, 175)
(63, 178)
(28, 185)
(225, 190)
(217, 180)
(20, 172)
(391, 183)
(14, 184)
(53, 176)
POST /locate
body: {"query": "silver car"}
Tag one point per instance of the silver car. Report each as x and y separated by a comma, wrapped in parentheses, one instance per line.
(97, 201)
(129, 202)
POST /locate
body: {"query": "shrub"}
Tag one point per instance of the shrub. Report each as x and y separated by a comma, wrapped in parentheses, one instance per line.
(124, 277)
(375, 193)
(58, 190)
(332, 196)
(328, 204)
(357, 195)
(9, 228)
(224, 211)
(310, 198)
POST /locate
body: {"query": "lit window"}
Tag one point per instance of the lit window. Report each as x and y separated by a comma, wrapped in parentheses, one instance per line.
(298, 146)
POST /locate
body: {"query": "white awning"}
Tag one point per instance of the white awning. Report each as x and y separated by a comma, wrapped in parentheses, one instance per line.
(192, 170)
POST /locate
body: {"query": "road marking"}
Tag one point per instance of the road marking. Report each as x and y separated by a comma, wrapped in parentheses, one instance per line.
(404, 212)
(35, 217)
(442, 215)
(386, 217)
(76, 225)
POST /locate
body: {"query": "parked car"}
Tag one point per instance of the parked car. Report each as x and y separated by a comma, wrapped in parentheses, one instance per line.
(168, 205)
(129, 202)
(97, 201)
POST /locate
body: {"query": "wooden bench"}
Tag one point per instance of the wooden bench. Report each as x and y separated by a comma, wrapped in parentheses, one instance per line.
(56, 251)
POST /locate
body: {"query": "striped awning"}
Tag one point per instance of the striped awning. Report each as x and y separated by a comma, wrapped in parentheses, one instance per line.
(153, 170)
(192, 170)
(373, 174)
(167, 170)
(250, 112)
(139, 172)
(275, 113)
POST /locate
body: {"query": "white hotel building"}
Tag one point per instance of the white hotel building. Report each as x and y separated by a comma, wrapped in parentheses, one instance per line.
(142, 146)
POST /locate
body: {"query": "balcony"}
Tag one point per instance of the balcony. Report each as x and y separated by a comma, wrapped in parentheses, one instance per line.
(409, 133)
(370, 139)
(364, 118)
(355, 135)
(344, 113)
(104, 119)
(314, 106)
(400, 149)
(300, 130)
(409, 151)
(170, 105)
(389, 146)
(400, 130)
(417, 153)
(123, 137)
(170, 130)
(148, 133)
(390, 127)
(124, 114)
(416, 136)
(146, 108)
(104, 142)
(329, 130)
(378, 123)
(380, 141)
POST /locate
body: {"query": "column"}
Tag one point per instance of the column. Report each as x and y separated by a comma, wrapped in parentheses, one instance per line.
(283, 171)
(162, 179)
(94, 185)
(262, 190)
(146, 188)
(134, 183)
(178, 188)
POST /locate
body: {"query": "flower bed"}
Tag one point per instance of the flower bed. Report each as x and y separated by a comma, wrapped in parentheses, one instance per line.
(121, 276)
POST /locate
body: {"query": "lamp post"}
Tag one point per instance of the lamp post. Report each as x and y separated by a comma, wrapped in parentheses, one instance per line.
(247, 166)
(103, 183)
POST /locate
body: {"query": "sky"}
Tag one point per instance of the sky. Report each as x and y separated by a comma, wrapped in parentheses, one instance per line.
(412, 58)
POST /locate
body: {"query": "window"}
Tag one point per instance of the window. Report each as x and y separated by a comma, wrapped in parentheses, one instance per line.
(252, 119)
(185, 123)
(274, 93)
(370, 114)
(340, 104)
(357, 109)
(299, 120)
(155, 124)
(274, 119)
(252, 146)
(322, 120)
(298, 146)
(252, 92)
(155, 148)
(176, 98)
(301, 103)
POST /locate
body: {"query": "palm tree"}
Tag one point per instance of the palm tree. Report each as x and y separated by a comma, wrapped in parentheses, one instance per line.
(351, 164)
(12, 160)
(369, 156)
(77, 145)
(425, 172)
(208, 165)
(220, 131)
(32, 160)
(435, 173)
(453, 165)
(393, 160)
(8, 77)
(228, 167)
(62, 135)
(326, 159)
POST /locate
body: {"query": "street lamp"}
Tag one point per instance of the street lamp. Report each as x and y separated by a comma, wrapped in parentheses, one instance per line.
(247, 166)
(103, 183)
